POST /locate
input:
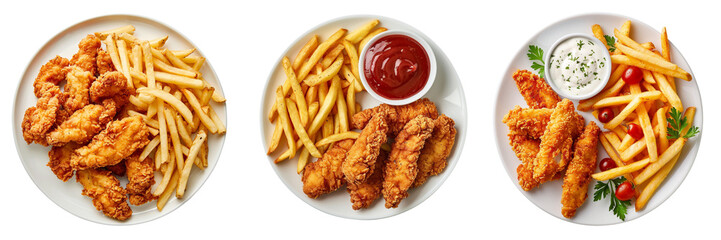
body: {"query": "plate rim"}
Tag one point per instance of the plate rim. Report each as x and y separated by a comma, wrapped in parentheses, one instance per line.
(57, 36)
(692, 154)
(458, 146)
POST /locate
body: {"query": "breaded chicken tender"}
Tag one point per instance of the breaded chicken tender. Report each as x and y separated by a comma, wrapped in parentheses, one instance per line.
(578, 174)
(438, 147)
(359, 165)
(325, 174)
(118, 141)
(402, 166)
(105, 190)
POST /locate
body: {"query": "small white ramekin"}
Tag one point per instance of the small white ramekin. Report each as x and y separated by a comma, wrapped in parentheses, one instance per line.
(547, 67)
(431, 72)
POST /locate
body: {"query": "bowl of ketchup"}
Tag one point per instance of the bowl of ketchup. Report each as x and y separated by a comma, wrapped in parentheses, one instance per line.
(397, 67)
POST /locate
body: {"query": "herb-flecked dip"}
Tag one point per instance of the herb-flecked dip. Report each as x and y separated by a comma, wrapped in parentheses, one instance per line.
(578, 66)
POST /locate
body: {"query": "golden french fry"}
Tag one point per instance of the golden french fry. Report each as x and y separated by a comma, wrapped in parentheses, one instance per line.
(207, 122)
(312, 111)
(124, 29)
(175, 61)
(645, 124)
(331, 56)
(350, 100)
(160, 65)
(112, 50)
(667, 90)
(299, 130)
(183, 53)
(348, 74)
(149, 148)
(170, 99)
(613, 139)
(598, 33)
(666, 157)
(124, 61)
(327, 74)
(368, 38)
(342, 109)
(630, 107)
(649, 57)
(158, 42)
(326, 107)
(358, 34)
(183, 130)
(307, 49)
(216, 120)
(337, 137)
(626, 28)
(275, 140)
(163, 131)
(352, 52)
(181, 81)
(302, 160)
(662, 133)
(173, 129)
(285, 121)
(636, 148)
(200, 137)
(621, 170)
(165, 196)
(654, 183)
(297, 91)
(136, 58)
(625, 99)
(319, 52)
(623, 59)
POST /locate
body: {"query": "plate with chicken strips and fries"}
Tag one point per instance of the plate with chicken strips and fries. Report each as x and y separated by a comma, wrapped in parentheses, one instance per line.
(598, 119)
(353, 136)
(119, 119)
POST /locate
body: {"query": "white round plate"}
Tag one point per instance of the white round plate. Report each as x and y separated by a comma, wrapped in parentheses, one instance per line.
(35, 157)
(548, 195)
(447, 93)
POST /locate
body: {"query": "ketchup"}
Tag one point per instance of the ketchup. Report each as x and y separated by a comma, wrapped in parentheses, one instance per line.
(396, 67)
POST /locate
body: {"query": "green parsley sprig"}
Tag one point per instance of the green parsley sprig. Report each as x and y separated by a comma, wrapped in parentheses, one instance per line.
(535, 54)
(611, 41)
(676, 123)
(604, 189)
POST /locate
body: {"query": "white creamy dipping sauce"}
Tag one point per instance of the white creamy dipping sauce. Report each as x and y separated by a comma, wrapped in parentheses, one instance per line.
(578, 66)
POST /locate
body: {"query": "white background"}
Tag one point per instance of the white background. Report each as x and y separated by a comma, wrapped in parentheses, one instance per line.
(243, 198)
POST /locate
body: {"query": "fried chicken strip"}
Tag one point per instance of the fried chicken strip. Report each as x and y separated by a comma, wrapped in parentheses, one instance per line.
(526, 149)
(364, 194)
(535, 90)
(141, 178)
(83, 124)
(105, 190)
(358, 166)
(77, 89)
(87, 54)
(39, 119)
(433, 157)
(60, 161)
(533, 122)
(402, 166)
(325, 175)
(118, 141)
(51, 74)
(110, 85)
(578, 174)
(397, 116)
(555, 139)
(104, 62)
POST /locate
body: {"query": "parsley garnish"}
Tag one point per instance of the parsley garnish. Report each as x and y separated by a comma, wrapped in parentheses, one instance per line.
(535, 54)
(611, 41)
(677, 122)
(604, 189)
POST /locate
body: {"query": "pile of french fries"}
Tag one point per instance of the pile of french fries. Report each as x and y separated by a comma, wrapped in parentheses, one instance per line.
(313, 106)
(645, 162)
(173, 99)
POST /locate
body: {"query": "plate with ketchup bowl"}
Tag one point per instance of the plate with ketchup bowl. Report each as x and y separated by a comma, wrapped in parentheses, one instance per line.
(445, 91)
(397, 67)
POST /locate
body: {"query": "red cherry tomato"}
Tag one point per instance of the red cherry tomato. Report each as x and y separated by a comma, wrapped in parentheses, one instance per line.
(606, 164)
(635, 131)
(625, 191)
(605, 115)
(632, 75)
